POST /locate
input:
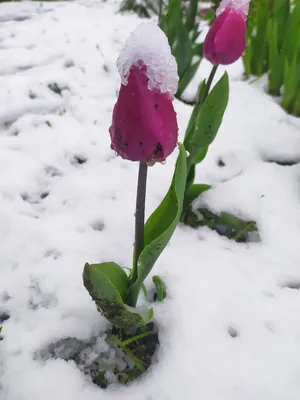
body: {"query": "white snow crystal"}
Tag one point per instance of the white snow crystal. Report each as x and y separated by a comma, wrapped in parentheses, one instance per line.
(241, 6)
(148, 43)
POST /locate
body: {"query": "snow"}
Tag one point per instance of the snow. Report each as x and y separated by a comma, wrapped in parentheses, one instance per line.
(67, 199)
(241, 6)
(148, 44)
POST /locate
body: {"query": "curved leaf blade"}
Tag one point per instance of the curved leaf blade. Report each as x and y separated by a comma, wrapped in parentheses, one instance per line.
(182, 48)
(208, 120)
(195, 190)
(192, 13)
(107, 284)
(187, 77)
(160, 287)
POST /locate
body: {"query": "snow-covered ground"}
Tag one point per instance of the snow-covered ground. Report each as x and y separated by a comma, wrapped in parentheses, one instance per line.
(65, 199)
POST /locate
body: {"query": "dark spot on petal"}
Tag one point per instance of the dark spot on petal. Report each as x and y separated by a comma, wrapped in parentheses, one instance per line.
(158, 152)
(141, 144)
(156, 105)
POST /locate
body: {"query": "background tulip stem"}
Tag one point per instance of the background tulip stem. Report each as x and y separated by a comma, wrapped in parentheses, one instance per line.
(139, 216)
(209, 83)
(160, 11)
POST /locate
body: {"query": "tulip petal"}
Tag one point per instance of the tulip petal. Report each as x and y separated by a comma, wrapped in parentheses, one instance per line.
(144, 126)
(225, 41)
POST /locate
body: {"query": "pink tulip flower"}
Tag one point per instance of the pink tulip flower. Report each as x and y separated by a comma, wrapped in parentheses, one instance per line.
(144, 126)
(225, 41)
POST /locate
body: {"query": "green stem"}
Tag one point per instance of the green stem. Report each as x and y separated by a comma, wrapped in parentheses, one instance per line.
(161, 2)
(139, 218)
(209, 83)
(138, 363)
(137, 337)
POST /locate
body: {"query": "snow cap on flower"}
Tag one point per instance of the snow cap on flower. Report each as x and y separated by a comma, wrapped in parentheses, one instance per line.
(149, 44)
(239, 6)
(144, 125)
(226, 41)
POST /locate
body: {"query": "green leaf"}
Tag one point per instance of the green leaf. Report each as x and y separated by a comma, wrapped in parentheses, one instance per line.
(192, 191)
(208, 120)
(247, 57)
(194, 35)
(198, 49)
(160, 288)
(260, 43)
(100, 379)
(276, 59)
(160, 226)
(201, 155)
(291, 81)
(192, 12)
(256, 54)
(199, 96)
(195, 192)
(225, 224)
(296, 105)
(292, 33)
(108, 279)
(107, 284)
(209, 16)
(139, 9)
(170, 20)
(182, 49)
(173, 7)
(288, 91)
(190, 178)
(187, 77)
(231, 221)
(193, 118)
